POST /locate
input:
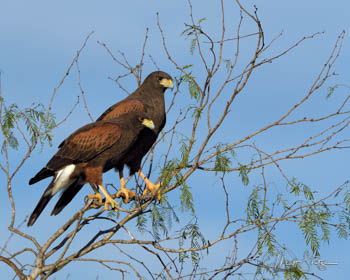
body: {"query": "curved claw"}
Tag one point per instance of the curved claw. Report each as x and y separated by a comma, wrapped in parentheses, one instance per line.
(97, 196)
(111, 202)
(126, 194)
(153, 189)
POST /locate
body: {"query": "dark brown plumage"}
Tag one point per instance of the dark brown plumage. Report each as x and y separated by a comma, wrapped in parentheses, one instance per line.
(84, 155)
(148, 99)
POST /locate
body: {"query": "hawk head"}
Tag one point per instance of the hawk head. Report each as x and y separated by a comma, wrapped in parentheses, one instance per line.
(160, 80)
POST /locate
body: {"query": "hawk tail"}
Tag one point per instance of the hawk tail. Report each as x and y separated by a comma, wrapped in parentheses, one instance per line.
(42, 174)
(66, 197)
(44, 200)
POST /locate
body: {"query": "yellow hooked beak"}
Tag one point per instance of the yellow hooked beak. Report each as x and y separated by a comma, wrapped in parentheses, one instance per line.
(148, 123)
(168, 83)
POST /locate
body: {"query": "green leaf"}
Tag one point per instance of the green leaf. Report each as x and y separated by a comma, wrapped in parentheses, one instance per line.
(308, 227)
(342, 231)
(201, 20)
(294, 272)
(12, 141)
(194, 91)
(243, 173)
(222, 161)
(187, 66)
(32, 119)
(168, 171)
(228, 64)
(346, 200)
(297, 187)
(331, 91)
(141, 222)
(192, 234)
(186, 199)
(184, 154)
(158, 222)
(193, 45)
(254, 205)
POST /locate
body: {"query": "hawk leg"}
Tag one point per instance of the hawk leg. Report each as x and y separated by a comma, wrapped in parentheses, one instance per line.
(109, 200)
(150, 187)
(124, 192)
(97, 196)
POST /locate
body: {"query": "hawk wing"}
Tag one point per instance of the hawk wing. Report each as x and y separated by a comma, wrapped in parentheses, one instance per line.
(121, 108)
(83, 145)
(86, 143)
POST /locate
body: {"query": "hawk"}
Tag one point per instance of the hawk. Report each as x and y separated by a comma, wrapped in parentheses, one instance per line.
(87, 153)
(147, 99)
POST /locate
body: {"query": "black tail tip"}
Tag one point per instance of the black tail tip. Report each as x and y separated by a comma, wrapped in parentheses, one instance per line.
(31, 181)
(32, 220)
(44, 200)
(56, 211)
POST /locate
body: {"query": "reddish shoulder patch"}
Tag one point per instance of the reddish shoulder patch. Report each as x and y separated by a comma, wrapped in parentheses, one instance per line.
(123, 108)
(99, 136)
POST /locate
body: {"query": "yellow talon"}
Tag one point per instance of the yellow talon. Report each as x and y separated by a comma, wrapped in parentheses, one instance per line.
(96, 204)
(153, 189)
(126, 194)
(150, 187)
(96, 196)
(111, 202)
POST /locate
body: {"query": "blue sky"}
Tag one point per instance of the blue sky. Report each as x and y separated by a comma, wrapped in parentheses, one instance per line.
(38, 40)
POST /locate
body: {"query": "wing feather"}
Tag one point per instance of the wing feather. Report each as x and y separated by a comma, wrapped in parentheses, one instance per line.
(85, 144)
(121, 108)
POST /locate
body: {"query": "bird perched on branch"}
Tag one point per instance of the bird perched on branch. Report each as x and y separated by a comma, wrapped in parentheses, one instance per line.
(87, 153)
(148, 99)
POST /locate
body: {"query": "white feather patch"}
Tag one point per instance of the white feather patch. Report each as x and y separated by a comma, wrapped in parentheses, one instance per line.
(62, 179)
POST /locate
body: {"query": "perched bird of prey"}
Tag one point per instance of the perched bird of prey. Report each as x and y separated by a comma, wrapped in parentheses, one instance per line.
(148, 99)
(87, 153)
